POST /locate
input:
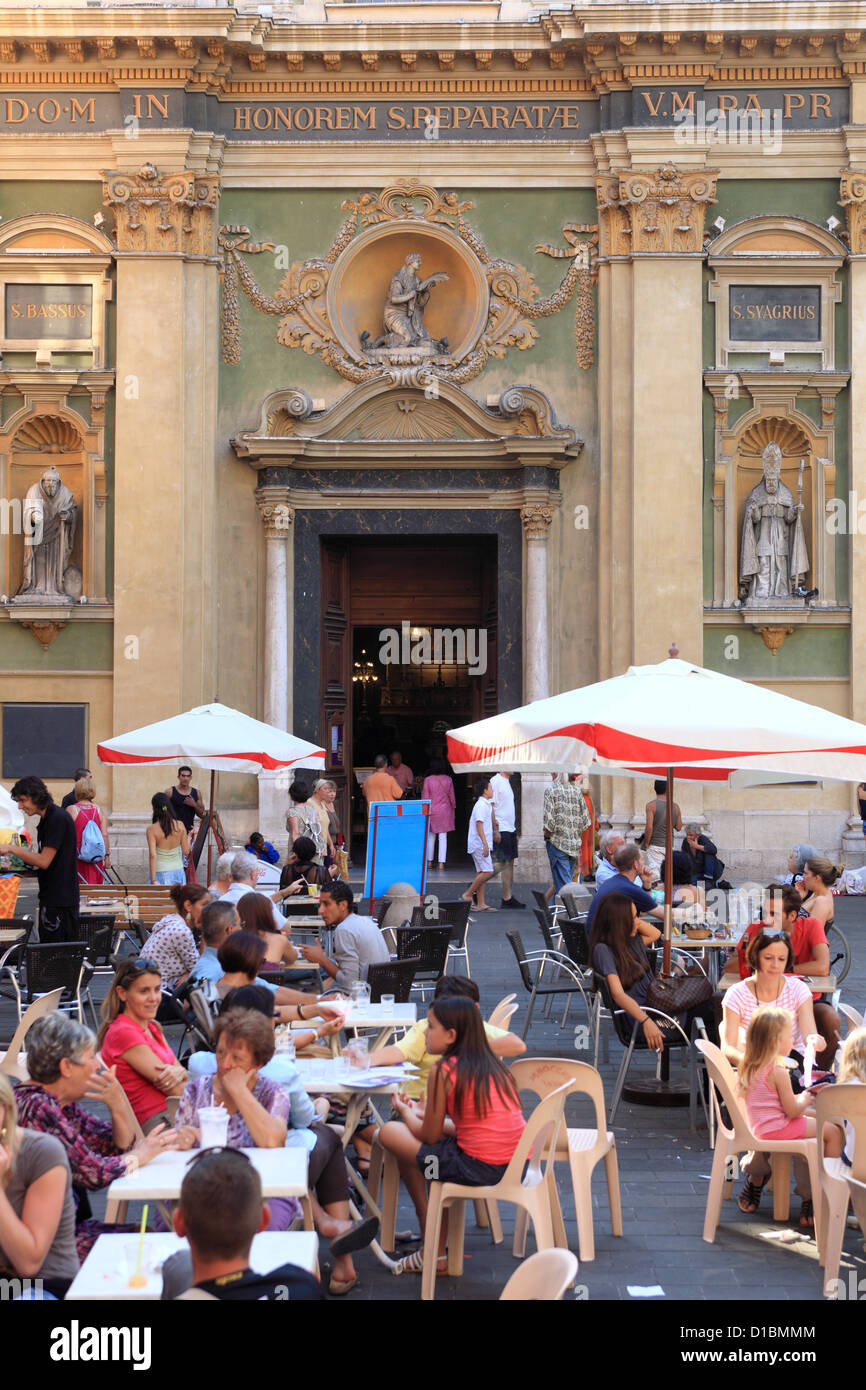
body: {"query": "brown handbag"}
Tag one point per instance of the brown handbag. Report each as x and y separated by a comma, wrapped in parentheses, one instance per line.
(676, 994)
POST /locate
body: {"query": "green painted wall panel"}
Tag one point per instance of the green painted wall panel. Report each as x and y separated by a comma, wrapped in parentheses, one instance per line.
(78, 647)
(815, 199)
(808, 652)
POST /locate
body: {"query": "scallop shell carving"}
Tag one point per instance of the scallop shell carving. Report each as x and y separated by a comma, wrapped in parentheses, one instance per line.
(775, 430)
(47, 434)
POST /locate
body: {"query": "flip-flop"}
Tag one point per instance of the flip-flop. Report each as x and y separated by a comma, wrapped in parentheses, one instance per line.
(338, 1287)
(361, 1234)
(485, 909)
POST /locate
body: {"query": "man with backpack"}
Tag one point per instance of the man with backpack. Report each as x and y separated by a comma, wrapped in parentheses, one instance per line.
(54, 859)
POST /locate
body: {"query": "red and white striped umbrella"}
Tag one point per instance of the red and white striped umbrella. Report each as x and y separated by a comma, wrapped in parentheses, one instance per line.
(705, 726)
(214, 737)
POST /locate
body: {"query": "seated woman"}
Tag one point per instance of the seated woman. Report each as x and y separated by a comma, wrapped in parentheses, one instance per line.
(64, 1070)
(259, 1112)
(131, 1040)
(301, 870)
(618, 953)
(242, 956)
(37, 1216)
(771, 958)
(171, 944)
(797, 863)
(819, 875)
(255, 913)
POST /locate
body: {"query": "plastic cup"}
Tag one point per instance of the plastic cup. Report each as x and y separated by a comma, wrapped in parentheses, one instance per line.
(214, 1125)
(358, 1052)
(387, 1003)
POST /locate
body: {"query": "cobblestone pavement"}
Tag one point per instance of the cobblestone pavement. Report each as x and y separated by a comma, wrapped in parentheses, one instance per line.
(663, 1172)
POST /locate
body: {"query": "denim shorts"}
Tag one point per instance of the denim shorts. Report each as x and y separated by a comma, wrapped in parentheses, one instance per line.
(170, 876)
(445, 1161)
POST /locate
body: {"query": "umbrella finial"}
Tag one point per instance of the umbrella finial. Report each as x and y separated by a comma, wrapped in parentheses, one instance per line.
(673, 650)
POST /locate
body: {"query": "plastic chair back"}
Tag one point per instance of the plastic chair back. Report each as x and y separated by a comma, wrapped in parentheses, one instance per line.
(854, 1019)
(846, 1102)
(501, 1016)
(43, 1005)
(544, 1075)
(724, 1078)
(97, 933)
(538, 1142)
(542, 1278)
(428, 944)
(392, 977)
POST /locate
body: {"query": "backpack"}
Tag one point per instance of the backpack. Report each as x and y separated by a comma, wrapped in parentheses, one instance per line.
(92, 843)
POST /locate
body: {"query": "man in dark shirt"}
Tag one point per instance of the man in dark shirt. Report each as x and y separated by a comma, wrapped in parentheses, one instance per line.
(220, 1211)
(69, 798)
(186, 803)
(55, 859)
(628, 862)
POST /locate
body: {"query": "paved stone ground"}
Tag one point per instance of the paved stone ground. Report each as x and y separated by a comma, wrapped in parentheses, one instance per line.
(663, 1170)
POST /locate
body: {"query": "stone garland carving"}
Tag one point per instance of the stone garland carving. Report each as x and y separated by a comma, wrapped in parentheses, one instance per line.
(654, 212)
(163, 212)
(852, 197)
(301, 301)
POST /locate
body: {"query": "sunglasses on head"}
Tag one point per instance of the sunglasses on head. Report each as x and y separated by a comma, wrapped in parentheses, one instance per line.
(140, 967)
(774, 931)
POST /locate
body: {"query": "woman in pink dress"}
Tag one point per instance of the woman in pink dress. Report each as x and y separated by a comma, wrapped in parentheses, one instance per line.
(85, 809)
(438, 789)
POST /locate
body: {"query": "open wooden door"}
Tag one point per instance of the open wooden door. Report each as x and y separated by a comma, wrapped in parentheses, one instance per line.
(335, 719)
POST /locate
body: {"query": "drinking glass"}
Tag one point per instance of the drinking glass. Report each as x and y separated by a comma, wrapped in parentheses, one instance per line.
(360, 995)
(358, 1050)
(387, 1002)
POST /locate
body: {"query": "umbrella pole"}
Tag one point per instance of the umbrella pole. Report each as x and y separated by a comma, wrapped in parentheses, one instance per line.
(210, 823)
(669, 870)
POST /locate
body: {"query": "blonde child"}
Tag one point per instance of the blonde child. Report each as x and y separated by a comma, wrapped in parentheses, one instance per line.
(852, 1069)
(774, 1111)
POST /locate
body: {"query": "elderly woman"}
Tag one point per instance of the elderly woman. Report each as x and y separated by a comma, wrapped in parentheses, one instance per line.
(797, 863)
(132, 1041)
(37, 1218)
(222, 880)
(707, 868)
(259, 1114)
(64, 1070)
(171, 944)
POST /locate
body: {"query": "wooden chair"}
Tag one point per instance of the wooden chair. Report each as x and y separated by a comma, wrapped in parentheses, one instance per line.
(581, 1148)
(543, 1278)
(731, 1142)
(534, 1190)
(839, 1183)
(44, 1005)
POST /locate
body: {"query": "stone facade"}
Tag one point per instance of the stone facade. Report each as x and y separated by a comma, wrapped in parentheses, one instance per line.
(602, 191)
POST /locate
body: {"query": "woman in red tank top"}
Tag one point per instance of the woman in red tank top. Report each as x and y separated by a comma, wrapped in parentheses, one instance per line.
(471, 1123)
(85, 809)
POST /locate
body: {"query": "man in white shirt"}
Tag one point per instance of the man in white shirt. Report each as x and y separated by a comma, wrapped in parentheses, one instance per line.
(358, 942)
(244, 875)
(504, 835)
(480, 842)
(609, 844)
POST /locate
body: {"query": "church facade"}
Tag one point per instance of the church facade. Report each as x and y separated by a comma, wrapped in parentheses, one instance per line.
(399, 363)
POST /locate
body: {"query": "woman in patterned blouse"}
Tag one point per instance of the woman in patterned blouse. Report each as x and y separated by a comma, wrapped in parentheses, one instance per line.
(171, 943)
(64, 1070)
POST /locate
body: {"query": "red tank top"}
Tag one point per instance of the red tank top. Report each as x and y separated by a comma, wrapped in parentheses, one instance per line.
(493, 1138)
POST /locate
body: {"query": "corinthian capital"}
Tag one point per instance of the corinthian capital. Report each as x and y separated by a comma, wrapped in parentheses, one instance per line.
(276, 514)
(663, 211)
(163, 212)
(536, 518)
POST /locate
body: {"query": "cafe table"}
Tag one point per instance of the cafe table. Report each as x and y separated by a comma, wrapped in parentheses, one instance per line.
(400, 1016)
(716, 948)
(106, 1271)
(817, 984)
(283, 1173)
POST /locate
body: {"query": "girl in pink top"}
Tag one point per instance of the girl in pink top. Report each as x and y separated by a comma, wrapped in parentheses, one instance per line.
(438, 788)
(774, 1111)
(471, 1123)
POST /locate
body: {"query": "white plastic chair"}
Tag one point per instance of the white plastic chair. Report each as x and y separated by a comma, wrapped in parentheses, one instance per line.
(43, 1005)
(502, 1014)
(543, 1278)
(740, 1139)
(582, 1148)
(535, 1190)
(855, 1020)
(839, 1183)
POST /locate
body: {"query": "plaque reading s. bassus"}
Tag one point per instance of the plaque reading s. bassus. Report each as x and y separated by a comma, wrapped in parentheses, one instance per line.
(37, 312)
(775, 313)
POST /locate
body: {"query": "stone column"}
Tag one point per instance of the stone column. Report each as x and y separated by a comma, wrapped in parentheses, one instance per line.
(277, 518)
(536, 516)
(165, 627)
(853, 196)
(650, 427)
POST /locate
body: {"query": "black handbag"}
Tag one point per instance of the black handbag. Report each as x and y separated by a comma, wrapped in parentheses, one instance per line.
(677, 994)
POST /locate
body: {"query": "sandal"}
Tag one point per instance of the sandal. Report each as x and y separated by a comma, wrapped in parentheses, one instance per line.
(750, 1198)
(807, 1216)
(414, 1264)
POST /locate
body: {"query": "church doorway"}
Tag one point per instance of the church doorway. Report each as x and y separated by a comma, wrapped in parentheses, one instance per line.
(410, 634)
